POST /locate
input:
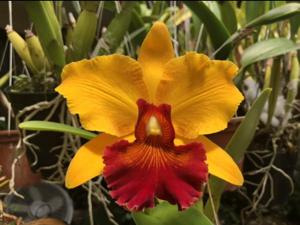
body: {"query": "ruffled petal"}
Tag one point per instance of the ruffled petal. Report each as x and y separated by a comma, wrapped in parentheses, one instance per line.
(87, 162)
(220, 163)
(136, 173)
(201, 93)
(104, 91)
(155, 52)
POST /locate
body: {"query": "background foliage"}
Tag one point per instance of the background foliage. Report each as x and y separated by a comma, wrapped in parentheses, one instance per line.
(262, 38)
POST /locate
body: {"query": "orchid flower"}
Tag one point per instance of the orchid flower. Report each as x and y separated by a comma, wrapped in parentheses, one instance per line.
(153, 114)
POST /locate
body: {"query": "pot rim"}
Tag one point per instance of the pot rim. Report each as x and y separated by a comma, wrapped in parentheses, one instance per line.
(9, 136)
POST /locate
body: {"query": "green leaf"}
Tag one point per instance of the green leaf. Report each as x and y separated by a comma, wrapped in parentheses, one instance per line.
(237, 147)
(267, 49)
(137, 29)
(166, 214)
(272, 16)
(275, 84)
(274, 4)
(214, 8)
(276, 14)
(83, 35)
(228, 16)
(47, 27)
(158, 8)
(117, 29)
(91, 6)
(57, 127)
(217, 31)
(254, 10)
(295, 25)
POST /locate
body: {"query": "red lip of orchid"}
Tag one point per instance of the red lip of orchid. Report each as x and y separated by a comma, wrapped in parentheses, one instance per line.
(152, 166)
(152, 114)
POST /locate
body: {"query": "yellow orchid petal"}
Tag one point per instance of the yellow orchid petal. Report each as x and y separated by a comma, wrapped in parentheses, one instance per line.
(155, 52)
(104, 91)
(201, 93)
(87, 162)
(220, 163)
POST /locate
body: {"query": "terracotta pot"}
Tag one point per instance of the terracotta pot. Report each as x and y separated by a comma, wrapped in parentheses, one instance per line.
(223, 137)
(23, 174)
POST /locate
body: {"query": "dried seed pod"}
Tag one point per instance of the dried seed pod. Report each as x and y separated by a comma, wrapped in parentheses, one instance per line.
(35, 49)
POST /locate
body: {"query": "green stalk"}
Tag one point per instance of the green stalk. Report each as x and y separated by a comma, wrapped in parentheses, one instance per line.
(275, 82)
(293, 82)
(268, 73)
(83, 35)
(4, 79)
(292, 86)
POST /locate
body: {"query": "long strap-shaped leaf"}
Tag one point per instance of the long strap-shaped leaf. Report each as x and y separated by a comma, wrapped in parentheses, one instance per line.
(267, 49)
(277, 14)
(264, 50)
(228, 16)
(84, 32)
(48, 29)
(272, 16)
(37, 125)
(237, 147)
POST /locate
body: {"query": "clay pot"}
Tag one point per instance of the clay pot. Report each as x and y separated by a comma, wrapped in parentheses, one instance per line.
(23, 174)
